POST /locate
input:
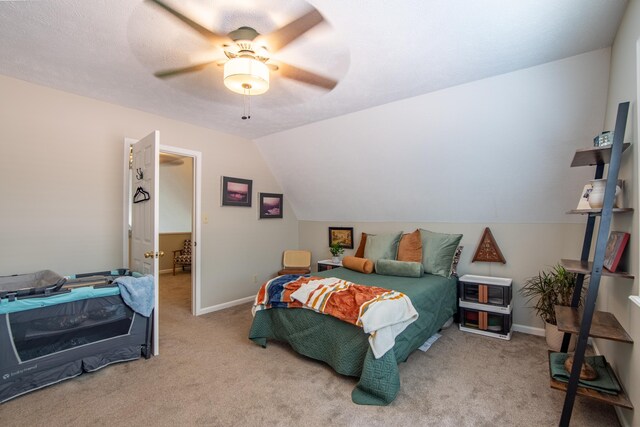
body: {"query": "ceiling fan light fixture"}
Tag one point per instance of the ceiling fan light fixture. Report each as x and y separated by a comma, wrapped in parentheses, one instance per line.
(246, 76)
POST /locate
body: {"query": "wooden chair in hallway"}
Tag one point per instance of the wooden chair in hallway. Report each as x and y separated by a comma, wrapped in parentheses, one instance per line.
(182, 257)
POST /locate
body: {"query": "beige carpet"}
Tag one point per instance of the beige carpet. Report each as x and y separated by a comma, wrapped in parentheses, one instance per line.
(209, 373)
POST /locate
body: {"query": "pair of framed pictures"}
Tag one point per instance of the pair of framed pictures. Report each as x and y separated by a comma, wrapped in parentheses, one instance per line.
(238, 192)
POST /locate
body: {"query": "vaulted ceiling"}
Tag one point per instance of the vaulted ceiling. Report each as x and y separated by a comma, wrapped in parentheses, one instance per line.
(380, 51)
(447, 111)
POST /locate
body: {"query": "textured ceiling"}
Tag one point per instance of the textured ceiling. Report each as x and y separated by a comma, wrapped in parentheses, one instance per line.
(380, 51)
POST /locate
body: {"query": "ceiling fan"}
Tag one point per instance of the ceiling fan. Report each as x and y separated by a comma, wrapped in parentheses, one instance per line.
(248, 64)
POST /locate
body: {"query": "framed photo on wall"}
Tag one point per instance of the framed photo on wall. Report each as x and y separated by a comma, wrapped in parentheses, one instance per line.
(342, 236)
(236, 191)
(271, 205)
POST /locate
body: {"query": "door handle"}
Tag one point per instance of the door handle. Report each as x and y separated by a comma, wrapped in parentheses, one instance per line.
(151, 254)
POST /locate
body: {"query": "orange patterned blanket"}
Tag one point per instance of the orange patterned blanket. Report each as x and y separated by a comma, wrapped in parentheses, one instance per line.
(382, 313)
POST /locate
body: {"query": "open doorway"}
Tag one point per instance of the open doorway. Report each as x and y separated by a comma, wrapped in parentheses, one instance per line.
(175, 234)
(148, 219)
(175, 219)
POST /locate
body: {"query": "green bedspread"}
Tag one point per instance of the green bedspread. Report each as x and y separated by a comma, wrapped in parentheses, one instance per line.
(345, 347)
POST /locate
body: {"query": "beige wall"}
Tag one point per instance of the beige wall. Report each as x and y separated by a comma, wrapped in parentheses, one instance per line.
(176, 196)
(527, 248)
(614, 293)
(61, 181)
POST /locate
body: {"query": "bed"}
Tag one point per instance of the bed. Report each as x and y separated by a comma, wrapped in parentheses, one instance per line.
(58, 329)
(345, 347)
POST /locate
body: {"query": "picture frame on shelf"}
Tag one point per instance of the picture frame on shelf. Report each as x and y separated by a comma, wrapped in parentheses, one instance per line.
(236, 191)
(583, 203)
(271, 205)
(343, 236)
(615, 248)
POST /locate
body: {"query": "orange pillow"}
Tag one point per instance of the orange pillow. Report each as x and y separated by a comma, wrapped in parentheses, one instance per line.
(363, 241)
(410, 247)
(362, 265)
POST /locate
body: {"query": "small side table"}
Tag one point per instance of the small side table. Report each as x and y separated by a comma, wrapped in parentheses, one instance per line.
(485, 305)
(327, 264)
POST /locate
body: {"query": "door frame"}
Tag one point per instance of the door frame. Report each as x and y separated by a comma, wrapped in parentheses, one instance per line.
(196, 309)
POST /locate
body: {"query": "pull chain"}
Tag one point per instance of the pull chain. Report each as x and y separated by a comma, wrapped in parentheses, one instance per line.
(246, 102)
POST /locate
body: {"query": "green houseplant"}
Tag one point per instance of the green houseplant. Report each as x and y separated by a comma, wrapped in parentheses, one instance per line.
(548, 289)
(336, 250)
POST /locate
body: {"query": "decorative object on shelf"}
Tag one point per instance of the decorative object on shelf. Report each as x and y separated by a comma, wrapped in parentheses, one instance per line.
(336, 250)
(583, 203)
(615, 247)
(271, 205)
(551, 288)
(586, 371)
(236, 191)
(596, 196)
(488, 250)
(343, 236)
(605, 382)
(605, 139)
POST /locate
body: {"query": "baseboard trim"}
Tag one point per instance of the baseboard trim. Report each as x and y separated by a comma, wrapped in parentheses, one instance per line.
(222, 306)
(527, 330)
(621, 419)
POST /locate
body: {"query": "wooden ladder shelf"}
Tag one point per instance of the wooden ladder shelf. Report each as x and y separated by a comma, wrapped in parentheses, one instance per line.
(588, 322)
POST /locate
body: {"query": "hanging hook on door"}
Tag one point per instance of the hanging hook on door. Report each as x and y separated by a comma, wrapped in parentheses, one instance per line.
(139, 174)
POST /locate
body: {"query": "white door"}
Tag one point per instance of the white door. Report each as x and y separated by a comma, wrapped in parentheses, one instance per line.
(144, 215)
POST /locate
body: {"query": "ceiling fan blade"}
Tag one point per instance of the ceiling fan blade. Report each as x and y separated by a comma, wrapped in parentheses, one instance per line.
(295, 73)
(207, 33)
(189, 69)
(281, 37)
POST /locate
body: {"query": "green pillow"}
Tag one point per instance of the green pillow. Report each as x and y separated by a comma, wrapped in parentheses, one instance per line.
(390, 267)
(382, 246)
(438, 250)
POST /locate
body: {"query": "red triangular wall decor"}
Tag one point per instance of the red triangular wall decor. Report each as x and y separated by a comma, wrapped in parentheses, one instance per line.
(488, 250)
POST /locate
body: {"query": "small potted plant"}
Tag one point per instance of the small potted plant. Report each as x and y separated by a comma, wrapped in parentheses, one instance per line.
(336, 250)
(551, 288)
